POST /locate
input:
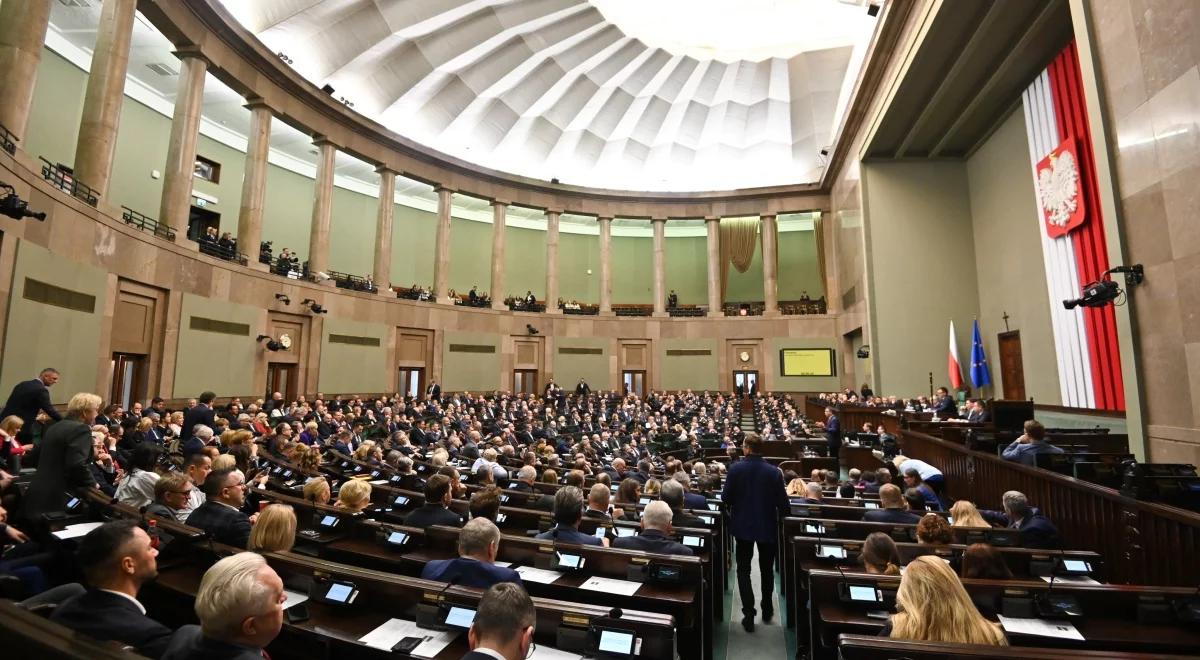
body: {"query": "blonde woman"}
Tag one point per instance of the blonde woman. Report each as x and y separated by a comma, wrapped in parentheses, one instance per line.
(309, 459)
(317, 490)
(965, 514)
(365, 451)
(652, 487)
(224, 462)
(275, 530)
(66, 450)
(354, 496)
(933, 606)
(11, 448)
(795, 487)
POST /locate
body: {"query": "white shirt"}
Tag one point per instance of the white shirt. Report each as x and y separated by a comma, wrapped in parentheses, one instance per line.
(125, 595)
(195, 500)
(137, 489)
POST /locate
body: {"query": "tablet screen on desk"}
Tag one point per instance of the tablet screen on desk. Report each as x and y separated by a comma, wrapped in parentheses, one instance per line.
(570, 561)
(1076, 566)
(329, 521)
(693, 541)
(625, 531)
(338, 593)
(871, 505)
(460, 617)
(863, 594)
(831, 551)
(615, 641)
(644, 501)
(401, 501)
(397, 538)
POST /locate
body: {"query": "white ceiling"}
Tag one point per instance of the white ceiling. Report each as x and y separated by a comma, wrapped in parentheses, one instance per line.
(665, 118)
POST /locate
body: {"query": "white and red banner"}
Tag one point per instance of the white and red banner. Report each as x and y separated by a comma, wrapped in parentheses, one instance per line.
(1072, 230)
(954, 368)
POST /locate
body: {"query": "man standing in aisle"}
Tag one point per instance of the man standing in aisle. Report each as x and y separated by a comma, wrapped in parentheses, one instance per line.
(755, 497)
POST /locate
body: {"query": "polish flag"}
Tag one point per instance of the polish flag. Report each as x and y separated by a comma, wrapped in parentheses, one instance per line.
(955, 370)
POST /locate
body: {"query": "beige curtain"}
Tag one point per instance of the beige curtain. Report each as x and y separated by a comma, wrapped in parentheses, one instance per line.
(738, 238)
(819, 234)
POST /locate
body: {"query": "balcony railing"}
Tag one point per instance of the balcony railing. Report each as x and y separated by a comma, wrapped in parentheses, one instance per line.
(146, 223)
(225, 251)
(8, 141)
(66, 182)
(352, 282)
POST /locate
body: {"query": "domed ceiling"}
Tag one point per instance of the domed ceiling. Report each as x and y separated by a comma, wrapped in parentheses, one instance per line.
(662, 95)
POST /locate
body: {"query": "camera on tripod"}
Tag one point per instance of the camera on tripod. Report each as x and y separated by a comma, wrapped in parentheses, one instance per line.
(16, 208)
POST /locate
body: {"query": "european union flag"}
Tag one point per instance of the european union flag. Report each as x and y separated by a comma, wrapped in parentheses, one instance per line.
(980, 374)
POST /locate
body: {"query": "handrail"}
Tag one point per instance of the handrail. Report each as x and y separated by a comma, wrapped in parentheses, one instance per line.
(66, 182)
(146, 223)
(8, 141)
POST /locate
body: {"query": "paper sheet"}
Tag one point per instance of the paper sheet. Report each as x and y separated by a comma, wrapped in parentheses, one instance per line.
(385, 637)
(549, 653)
(1071, 579)
(531, 574)
(609, 585)
(504, 564)
(293, 598)
(77, 530)
(1040, 627)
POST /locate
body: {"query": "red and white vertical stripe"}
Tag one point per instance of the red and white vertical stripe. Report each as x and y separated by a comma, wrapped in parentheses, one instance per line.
(1089, 363)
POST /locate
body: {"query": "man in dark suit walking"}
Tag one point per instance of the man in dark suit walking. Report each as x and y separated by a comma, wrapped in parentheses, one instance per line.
(755, 497)
(201, 413)
(63, 458)
(503, 626)
(117, 558)
(29, 397)
(833, 434)
(221, 514)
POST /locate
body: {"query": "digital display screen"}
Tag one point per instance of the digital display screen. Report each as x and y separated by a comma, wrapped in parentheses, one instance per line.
(401, 500)
(871, 505)
(329, 521)
(644, 501)
(600, 532)
(671, 573)
(625, 531)
(806, 362)
(288, 473)
(74, 501)
(714, 507)
(375, 474)
(512, 485)
(831, 551)
(814, 529)
(500, 517)
(693, 541)
(570, 561)
(338, 593)
(397, 538)
(615, 641)
(863, 594)
(462, 477)
(708, 520)
(1076, 565)
(460, 617)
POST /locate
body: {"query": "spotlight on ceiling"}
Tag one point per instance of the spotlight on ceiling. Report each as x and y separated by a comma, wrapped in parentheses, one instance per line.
(554, 180)
(282, 297)
(872, 10)
(327, 88)
(825, 152)
(313, 306)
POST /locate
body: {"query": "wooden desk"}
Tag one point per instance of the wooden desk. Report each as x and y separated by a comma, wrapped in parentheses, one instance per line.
(863, 647)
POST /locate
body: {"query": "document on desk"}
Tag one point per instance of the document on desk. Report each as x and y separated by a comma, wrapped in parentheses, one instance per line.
(609, 585)
(531, 574)
(1071, 579)
(387, 635)
(1041, 628)
(549, 653)
(504, 564)
(77, 530)
(293, 598)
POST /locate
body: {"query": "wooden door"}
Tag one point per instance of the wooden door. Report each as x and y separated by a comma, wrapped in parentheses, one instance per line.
(1012, 373)
(282, 377)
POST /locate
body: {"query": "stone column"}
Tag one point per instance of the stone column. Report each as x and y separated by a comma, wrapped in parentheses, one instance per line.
(382, 274)
(770, 279)
(441, 259)
(660, 266)
(22, 33)
(322, 210)
(605, 265)
(254, 183)
(499, 209)
(97, 142)
(181, 151)
(713, 224)
(552, 217)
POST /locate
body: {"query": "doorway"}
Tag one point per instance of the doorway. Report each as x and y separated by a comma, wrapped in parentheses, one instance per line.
(412, 381)
(635, 382)
(129, 379)
(525, 381)
(1012, 371)
(282, 377)
(199, 220)
(745, 382)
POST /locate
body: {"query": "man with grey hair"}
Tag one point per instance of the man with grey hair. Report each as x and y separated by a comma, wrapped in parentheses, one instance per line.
(526, 477)
(812, 493)
(1036, 530)
(597, 504)
(672, 494)
(690, 500)
(240, 607)
(30, 397)
(503, 625)
(568, 512)
(655, 535)
(475, 566)
(201, 436)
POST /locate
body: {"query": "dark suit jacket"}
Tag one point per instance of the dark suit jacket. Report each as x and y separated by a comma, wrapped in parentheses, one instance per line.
(682, 519)
(27, 398)
(695, 501)
(895, 516)
(474, 655)
(223, 523)
(63, 458)
(598, 515)
(433, 514)
(565, 534)
(945, 408)
(108, 617)
(652, 540)
(191, 644)
(468, 572)
(199, 414)
(1036, 530)
(755, 497)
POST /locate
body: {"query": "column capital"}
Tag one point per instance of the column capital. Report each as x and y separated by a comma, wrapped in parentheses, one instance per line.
(764, 216)
(500, 202)
(603, 219)
(193, 52)
(662, 220)
(256, 103)
(319, 140)
(712, 218)
(383, 168)
(553, 210)
(438, 188)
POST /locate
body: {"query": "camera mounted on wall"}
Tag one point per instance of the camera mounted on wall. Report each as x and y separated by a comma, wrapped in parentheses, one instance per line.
(1103, 291)
(15, 207)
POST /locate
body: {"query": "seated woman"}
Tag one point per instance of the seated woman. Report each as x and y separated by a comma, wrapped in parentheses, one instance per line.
(795, 487)
(652, 487)
(275, 530)
(965, 514)
(354, 496)
(628, 493)
(317, 490)
(933, 606)
(879, 555)
(934, 530)
(984, 561)
(137, 488)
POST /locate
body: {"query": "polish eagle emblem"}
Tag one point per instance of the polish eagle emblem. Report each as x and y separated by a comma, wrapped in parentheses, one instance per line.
(1060, 191)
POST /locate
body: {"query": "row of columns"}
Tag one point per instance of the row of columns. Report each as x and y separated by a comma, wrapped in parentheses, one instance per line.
(23, 27)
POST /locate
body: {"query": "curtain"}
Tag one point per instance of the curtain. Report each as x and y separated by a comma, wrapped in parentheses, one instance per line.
(819, 234)
(738, 238)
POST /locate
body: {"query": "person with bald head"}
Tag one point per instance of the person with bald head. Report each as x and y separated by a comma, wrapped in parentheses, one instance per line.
(893, 508)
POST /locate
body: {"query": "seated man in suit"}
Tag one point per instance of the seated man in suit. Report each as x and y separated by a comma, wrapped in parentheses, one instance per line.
(221, 514)
(690, 500)
(812, 493)
(117, 559)
(672, 494)
(503, 625)
(436, 509)
(1025, 449)
(240, 607)
(475, 566)
(526, 477)
(568, 511)
(977, 413)
(1036, 530)
(597, 503)
(944, 406)
(892, 508)
(655, 535)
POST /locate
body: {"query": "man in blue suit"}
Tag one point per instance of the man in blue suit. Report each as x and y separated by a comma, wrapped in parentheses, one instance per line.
(1036, 530)
(755, 498)
(1025, 449)
(568, 512)
(478, 544)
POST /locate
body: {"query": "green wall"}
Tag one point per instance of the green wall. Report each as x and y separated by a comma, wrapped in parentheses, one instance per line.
(525, 261)
(579, 267)
(57, 108)
(474, 372)
(632, 270)
(40, 335)
(682, 372)
(747, 286)
(802, 383)
(351, 367)
(414, 234)
(798, 267)
(687, 268)
(216, 361)
(592, 367)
